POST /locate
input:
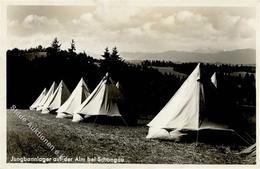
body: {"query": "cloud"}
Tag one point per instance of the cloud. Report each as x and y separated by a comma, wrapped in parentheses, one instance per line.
(185, 24)
(12, 26)
(37, 22)
(33, 24)
(86, 18)
(108, 17)
(133, 28)
(235, 27)
(12, 23)
(116, 15)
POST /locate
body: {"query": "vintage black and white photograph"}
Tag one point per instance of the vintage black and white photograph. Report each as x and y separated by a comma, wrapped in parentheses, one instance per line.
(115, 82)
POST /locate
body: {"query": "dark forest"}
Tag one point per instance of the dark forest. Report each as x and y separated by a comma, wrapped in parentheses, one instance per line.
(145, 89)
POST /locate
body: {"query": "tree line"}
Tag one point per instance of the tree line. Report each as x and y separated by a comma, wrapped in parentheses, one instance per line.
(145, 89)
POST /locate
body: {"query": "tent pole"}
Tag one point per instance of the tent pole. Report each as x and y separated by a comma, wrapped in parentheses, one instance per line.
(95, 120)
(124, 121)
(197, 138)
(242, 138)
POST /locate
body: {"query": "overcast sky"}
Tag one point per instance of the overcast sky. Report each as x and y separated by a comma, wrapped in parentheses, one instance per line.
(132, 28)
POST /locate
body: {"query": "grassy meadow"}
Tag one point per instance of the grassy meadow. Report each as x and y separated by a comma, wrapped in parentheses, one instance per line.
(89, 140)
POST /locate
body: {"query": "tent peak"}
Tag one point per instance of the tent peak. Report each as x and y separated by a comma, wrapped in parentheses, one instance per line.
(214, 79)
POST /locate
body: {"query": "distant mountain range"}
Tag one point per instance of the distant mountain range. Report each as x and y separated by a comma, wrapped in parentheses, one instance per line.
(239, 56)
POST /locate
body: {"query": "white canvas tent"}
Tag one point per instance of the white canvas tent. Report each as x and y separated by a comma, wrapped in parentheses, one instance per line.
(214, 80)
(47, 96)
(39, 99)
(186, 112)
(102, 101)
(54, 102)
(80, 93)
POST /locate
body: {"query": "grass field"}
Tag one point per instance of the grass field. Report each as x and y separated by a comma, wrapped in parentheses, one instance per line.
(91, 141)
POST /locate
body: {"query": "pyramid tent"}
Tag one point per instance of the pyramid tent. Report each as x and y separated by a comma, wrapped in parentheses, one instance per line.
(54, 102)
(39, 99)
(187, 111)
(214, 80)
(47, 96)
(79, 94)
(102, 101)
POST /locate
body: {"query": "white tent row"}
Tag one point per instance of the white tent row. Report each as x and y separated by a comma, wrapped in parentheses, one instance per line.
(47, 96)
(39, 99)
(54, 102)
(81, 103)
(51, 100)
